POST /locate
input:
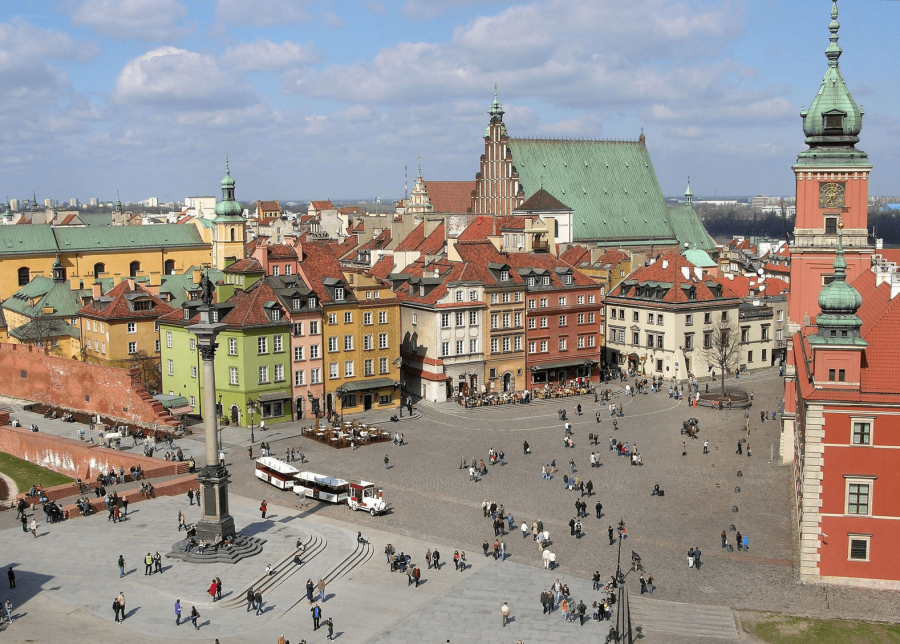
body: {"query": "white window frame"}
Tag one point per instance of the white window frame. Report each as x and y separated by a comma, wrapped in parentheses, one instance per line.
(851, 537)
(868, 420)
(168, 339)
(383, 365)
(132, 348)
(262, 345)
(382, 340)
(263, 373)
(132, 327)
(349, 369)
(233, 375)
(277, 343)
(299, 378)
(171, 367)
(868, 481)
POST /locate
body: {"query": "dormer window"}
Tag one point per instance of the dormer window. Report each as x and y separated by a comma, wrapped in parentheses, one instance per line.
(296, 303)
(312, 302)
(834, 121)
(545, 280)
(531, 281)
(276, 314)
(187, 314)
(339, 293)
(214, 315)
(504, 276)
(421, 290)
(567, 279)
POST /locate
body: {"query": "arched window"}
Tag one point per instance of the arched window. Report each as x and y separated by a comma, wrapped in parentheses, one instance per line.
(24, 276)
(99, 268)
(169, 267)
(232, 233)
(134, 268)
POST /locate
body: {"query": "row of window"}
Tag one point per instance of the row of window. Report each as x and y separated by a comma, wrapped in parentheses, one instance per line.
(563, 301)
(368, 342)
(508, 344)
(350, 368)
(367, 317)
(460, 318)
(583, 342)
(504, 298)
(563, 320)
(460, 347)
(659, 318)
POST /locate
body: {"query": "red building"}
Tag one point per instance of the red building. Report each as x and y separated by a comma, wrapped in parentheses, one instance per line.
(563, 311)
(841, 422)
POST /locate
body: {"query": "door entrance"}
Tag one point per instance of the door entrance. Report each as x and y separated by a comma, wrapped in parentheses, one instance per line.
(507, 382)
(367, 402)
(299, 407)
(329, 404)
(234, 415)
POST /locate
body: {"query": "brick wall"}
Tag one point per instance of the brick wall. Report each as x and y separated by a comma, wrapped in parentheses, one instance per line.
(173, 487)
(76, 459)
(31, 374)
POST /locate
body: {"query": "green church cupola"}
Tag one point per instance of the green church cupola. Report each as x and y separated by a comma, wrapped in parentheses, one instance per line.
(118, 206)
(839, 302)
(688, 195)
(833, 121)
(228, 209)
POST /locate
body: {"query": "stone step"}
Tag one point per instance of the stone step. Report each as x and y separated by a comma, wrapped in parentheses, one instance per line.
(363, 552)
(677, 618)
(242, 548)
(284, 568)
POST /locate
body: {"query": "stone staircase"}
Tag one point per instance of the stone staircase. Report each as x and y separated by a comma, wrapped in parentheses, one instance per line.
(360, 555)
(284, 568)
(675, 618)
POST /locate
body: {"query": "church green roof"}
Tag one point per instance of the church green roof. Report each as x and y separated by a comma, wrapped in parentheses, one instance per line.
(41, 239)
(612, 188)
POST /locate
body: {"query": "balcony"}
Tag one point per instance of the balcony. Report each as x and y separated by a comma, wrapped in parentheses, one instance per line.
(540, 246)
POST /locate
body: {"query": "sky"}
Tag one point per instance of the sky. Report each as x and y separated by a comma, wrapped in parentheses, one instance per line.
(328, 99)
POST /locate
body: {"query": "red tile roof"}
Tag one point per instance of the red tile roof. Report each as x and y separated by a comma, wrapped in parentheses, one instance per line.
(383, 267)
(481, 228)
(412, 240)
(449, 272)
(379, 242)
(349, 244)
(883, 352)
(542, 201)
(741, 285)
(281, 251)
(672, 274)
(120, 309)
(320, 263)
(249, 265)
(268, 206)
(478, 254)
(450, 196)
(875, 299)
(322, 205)
(890, 254)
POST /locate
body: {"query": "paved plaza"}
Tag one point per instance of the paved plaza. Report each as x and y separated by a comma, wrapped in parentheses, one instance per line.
(68, 576)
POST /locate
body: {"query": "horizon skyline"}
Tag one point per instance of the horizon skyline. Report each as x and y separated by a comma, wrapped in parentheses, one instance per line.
(146, 96)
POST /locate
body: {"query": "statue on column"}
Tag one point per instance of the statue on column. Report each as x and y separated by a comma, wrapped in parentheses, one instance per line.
(207, 289)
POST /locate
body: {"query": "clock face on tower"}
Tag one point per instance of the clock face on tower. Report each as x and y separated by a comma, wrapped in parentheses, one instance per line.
(831, 195)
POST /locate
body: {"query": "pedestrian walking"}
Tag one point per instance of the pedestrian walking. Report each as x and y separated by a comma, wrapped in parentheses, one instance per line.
(250, 599)
(748, 450)
(599, 509)
(121, 599)
(321, 586)
(263, 507)
(525, 448)
(386, 460)
(524, 529)
(181, 524)
(121, 563)
(643, 584)
(212, 590)
(724, 539)
(428, 558)
(610, 532)
(218, 588)
(250, 452)
(116, 609)
(177, 612)
(12, 577)
(740, 449)
(746, 543)
(190, 496)
(157, 561)
(148, 564)
(258, 601)
(436, 559)
(34, 528)
(706, 447)
(504, 613)
(330, 624)
(316, 615)
(696, 558)
(195, 615)
(8, 607)
(740, 541)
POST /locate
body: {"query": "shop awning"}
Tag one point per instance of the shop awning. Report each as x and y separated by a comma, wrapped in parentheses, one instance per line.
(561, 364)
(274, 396)
(427, 375)
(184, 409)
(374, 383)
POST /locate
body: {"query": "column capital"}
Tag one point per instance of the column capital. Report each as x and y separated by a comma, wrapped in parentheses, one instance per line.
(208, 351)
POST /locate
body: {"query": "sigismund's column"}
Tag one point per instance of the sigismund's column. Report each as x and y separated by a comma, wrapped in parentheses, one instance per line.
(213, 477)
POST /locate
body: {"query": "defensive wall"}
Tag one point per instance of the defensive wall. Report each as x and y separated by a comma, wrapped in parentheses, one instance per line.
(29, 373)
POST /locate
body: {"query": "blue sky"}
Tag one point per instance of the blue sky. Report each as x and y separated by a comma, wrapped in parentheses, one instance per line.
(327, 99)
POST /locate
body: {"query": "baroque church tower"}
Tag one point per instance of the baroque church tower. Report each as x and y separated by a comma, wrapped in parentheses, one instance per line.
(229, 226)
(832, 190)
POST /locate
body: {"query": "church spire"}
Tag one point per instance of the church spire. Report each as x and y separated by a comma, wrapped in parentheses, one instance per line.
(688, 194)
(839, 301)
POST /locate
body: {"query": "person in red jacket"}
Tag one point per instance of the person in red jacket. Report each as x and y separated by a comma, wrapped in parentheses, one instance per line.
(212, 589)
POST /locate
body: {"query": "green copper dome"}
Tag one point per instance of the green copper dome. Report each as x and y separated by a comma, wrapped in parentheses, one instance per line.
(833, 121)
(228, 210)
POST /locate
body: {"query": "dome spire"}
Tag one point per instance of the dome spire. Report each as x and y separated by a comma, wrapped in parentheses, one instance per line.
(688, 194)
(834, 51)
(839, 301)
(228, 209)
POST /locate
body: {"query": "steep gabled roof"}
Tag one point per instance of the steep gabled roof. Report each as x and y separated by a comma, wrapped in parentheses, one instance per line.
(666, 274)
(543, 201)
(480, 229)
(448, 271)
(875, 299)
(249, 265)
(322, 205)
(883, 353)
(320, 264)
(480, 256)
(118, 304)
(450, 196)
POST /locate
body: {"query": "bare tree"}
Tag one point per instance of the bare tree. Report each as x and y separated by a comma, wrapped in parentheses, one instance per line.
(151, 375)
(43, 329)
(723, 350)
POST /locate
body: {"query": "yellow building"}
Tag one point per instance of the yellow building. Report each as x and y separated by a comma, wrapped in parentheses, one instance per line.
(118, 329)
(360, 334)
(44, 313)
(145, 253)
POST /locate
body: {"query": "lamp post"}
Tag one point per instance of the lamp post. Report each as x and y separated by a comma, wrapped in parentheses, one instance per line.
(620, 578)
(220, 412)
(251, 409)
(339, 392)
(310, 398)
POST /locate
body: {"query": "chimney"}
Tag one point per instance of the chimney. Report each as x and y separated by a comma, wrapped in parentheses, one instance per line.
(131, 284)
(96, 290)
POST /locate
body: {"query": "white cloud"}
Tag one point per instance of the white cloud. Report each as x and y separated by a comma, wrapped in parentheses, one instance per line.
(179, 79)
(143, 19)
(428, 9)
(268, 56)
(262, 13)
(331, 19)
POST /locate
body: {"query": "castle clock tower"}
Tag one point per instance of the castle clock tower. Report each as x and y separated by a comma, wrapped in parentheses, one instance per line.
(832, 189)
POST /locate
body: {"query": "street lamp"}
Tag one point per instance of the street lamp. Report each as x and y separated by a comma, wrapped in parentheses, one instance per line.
(340, 391)
(620, 578)
(587, 369)
(220, 412)
(251, 409)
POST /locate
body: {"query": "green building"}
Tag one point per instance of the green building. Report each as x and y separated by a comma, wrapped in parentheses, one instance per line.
(253, 361)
